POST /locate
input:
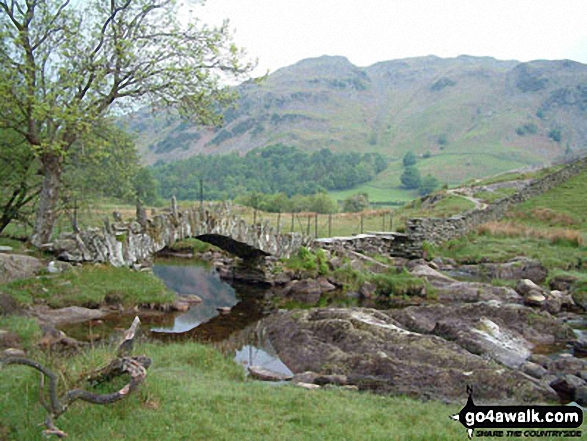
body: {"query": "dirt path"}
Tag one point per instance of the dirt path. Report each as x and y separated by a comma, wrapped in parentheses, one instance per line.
(467, 193)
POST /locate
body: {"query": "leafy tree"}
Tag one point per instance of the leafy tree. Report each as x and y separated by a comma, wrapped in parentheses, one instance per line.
(442, 139)
(355, 203)
(322, 203)
(555, 135)
(409, 159)
(428, 184)
(410, 178)
(275, 169)
(65, 65)
(20, 183)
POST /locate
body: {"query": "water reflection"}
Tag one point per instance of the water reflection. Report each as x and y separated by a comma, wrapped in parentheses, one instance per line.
(252, 347)
(199, 280)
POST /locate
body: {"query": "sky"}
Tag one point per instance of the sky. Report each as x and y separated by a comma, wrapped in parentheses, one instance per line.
(282, 32)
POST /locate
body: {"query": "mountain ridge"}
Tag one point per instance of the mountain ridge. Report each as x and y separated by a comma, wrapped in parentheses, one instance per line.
(462, 112)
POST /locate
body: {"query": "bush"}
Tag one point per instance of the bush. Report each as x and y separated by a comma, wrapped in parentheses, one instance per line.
(410, 178)
(409, 159)
(356, 203)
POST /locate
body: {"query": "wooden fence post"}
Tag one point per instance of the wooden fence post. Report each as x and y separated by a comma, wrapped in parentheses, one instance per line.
(316, 227)
(330, 225)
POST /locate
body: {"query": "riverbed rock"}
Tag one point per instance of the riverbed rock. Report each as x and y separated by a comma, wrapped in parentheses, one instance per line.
(57, 266)
(264, 374)
(581, 396)
(69, 315)
(449, 290)
(18, 266)
(306, 291)
(506, 333)
(533, 369)
(525, 286)
(567, 364)
(534, 298)
(515, 269)
(567, 385)
(563, 282)
(375, 352)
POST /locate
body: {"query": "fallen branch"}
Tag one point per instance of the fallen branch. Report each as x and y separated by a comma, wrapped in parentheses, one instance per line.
(136, 367)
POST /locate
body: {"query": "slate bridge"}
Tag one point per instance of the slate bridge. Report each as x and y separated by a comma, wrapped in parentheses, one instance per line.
(131, 243)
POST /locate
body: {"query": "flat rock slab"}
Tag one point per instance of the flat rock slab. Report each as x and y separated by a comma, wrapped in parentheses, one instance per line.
(378, 353)
(69, 315)
(260, 373)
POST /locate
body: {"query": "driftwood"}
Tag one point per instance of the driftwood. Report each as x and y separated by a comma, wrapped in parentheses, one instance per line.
(136, 367)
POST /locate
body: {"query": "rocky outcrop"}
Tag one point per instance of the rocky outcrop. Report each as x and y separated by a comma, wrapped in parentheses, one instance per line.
(515, 269)
(18, 266)
(449, 290)
(505, 333)
(374, 351)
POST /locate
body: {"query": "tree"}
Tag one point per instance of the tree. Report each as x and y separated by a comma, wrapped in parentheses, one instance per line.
(428, 184)
(409, 159)
(65, 65)
(20, 183)
(356, 203)
(410, 178)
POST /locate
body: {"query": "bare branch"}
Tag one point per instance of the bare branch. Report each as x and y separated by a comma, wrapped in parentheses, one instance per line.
(136, 367)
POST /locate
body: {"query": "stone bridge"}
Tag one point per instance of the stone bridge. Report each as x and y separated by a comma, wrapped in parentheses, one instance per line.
(131, 243)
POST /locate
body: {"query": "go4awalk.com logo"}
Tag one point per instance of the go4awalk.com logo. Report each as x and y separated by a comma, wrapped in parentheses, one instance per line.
(519, 421)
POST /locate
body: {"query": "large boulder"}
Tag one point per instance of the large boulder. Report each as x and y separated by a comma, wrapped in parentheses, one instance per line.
(18, 266)
(506, 333)
(375, 352)
(519, 268)
(450, 290)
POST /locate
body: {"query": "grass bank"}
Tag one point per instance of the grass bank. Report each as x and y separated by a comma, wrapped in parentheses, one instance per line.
(194, 393)
(90, 285)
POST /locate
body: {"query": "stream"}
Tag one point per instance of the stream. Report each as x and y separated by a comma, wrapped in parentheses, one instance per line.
(227, 317)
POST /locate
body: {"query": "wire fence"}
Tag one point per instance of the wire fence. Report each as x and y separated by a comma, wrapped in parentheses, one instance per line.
(326, 225)
(93, 214)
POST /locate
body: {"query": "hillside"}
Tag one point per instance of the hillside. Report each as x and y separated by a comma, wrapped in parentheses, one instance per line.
(476, 116)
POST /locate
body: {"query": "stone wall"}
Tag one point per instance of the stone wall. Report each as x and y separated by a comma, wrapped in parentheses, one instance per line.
(130, 243)
(437, 230)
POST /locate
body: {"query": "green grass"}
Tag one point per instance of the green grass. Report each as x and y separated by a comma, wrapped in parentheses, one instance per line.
(446, 207)
(194, 393)
(568, 198)
(26, 328)
(89, 285)
(535, 229)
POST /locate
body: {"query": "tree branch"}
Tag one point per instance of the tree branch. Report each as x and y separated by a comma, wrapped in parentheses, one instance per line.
(122, 364)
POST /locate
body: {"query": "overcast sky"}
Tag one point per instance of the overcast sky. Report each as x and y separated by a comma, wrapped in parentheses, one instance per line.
(282, 32)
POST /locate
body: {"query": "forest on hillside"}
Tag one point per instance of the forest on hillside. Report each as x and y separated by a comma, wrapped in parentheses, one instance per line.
(275, 169)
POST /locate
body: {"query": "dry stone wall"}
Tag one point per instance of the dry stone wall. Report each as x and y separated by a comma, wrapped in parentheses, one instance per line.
(436, 230)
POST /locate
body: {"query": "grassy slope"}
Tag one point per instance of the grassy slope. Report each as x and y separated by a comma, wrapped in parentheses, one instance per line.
(194, 393)
(560, 210)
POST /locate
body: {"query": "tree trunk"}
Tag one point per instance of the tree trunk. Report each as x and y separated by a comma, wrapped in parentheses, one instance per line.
(52, 168)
